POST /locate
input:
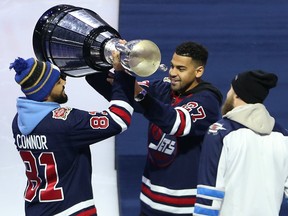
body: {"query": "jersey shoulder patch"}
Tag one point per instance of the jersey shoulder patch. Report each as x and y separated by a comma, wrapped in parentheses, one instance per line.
(214, 128)
(61, 113)
(166, 79)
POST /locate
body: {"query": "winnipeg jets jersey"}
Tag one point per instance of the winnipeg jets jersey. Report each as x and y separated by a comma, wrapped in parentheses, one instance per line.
(176, 130)
(56, 152)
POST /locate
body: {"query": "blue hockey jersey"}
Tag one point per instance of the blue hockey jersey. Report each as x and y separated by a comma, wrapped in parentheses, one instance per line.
(53, 143)
(176, 130)
(177, 124)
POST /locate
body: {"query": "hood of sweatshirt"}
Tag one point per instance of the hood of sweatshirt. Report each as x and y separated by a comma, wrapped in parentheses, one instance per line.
(31, 112)
(204, 86)
(254, 116)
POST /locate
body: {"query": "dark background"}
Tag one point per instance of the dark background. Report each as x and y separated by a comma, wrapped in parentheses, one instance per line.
(239, 35)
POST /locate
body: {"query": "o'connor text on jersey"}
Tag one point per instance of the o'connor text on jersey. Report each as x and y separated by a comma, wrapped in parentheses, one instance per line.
(31, 141)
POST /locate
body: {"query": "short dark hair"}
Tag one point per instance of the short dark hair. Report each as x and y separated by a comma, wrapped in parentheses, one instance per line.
(194, 50)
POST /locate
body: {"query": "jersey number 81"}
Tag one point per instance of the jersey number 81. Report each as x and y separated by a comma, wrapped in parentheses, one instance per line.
(50, 192)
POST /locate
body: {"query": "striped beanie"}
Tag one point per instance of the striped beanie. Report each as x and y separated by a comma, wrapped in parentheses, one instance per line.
(36, 78)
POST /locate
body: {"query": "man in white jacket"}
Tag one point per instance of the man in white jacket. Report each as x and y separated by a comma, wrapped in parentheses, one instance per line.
(244, 162)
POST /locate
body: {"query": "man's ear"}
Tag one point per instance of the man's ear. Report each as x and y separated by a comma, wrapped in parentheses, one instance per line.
(199, 71)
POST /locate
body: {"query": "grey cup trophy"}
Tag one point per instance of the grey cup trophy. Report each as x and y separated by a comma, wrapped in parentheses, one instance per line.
(80, 42)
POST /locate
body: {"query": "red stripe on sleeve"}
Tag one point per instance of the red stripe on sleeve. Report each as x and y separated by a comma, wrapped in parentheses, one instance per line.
(182, 124)
(89, 212)
(121, 113)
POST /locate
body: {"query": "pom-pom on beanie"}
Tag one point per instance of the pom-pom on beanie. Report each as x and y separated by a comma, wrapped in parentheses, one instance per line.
(253, 86)
(36, 78)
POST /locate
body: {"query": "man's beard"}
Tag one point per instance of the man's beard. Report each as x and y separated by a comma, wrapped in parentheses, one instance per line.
(180, 89)
(61, 99)
(228, 105)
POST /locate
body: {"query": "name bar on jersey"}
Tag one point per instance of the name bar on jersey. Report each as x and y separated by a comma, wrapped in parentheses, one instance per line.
(31, 141)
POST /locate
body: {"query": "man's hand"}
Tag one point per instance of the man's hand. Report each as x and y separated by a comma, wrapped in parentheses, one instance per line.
(110, 77)
(116, 61)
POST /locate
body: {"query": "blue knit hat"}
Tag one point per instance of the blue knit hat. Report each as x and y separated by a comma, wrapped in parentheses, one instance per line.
(36, 78)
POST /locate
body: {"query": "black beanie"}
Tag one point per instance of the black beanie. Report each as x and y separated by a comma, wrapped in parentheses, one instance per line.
(253, 86)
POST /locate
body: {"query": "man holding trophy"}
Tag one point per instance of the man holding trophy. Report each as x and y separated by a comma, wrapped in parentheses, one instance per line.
(179, 108)
(54, 141)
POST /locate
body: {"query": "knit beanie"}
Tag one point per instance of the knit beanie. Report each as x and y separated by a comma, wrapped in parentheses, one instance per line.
(253, 86)
(36, 78)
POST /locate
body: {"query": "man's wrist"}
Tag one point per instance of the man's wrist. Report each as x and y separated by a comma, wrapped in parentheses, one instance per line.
(140, 96)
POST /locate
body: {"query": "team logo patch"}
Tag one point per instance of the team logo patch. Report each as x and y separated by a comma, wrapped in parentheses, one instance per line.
(166, 79)
(61, 113)
(214, 128)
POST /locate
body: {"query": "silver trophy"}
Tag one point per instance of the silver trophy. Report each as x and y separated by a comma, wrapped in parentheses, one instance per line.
(80, 42)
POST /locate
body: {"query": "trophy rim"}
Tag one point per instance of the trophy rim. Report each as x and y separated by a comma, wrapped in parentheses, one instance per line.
(40, 26)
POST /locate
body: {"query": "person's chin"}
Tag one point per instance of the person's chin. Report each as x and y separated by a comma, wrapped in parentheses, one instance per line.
(175, 87)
